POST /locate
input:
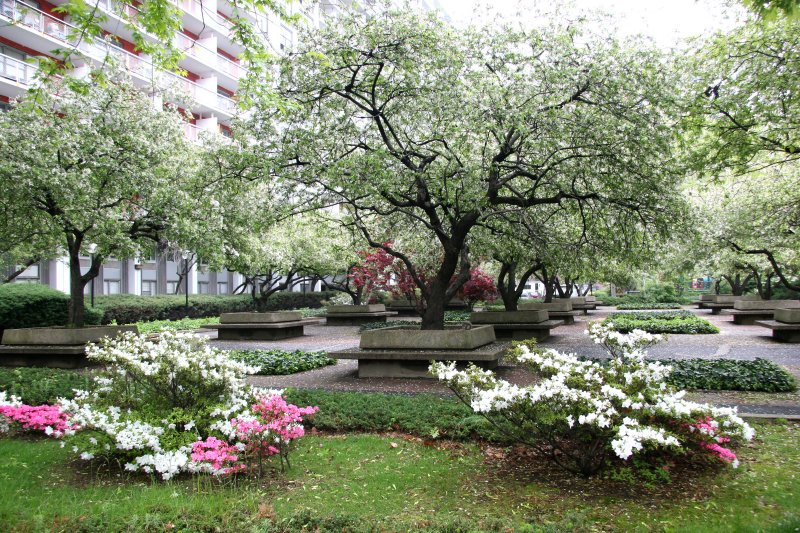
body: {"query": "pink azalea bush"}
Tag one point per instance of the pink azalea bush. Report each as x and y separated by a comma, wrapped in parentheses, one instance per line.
(47, 418)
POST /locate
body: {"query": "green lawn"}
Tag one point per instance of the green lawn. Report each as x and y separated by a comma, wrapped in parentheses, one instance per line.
(355, 481)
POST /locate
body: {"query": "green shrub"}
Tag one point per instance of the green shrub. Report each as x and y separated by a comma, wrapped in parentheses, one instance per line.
(424, 415)
(661, 322)
(282, 362)
(369, 326)
(36, 386)
(645, 305)
(184, 324)
(129, 309)
(31, 305)
(457, 316)
(758, 375)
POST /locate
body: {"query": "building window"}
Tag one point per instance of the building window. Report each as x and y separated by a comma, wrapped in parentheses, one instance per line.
(202, 287)
(148, 288)
(111, 286)
(172, 287)
(222, 287)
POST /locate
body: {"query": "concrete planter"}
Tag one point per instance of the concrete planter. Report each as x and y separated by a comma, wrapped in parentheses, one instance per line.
(555, 305)
(260, 318)
(412, 339)
(788, 316)
(707, 297)
(753, 305)
(62, 336)
(577, 300)
(509, 317)
(344, 309)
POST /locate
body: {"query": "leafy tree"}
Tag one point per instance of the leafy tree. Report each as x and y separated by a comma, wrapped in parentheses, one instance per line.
(86, 164)
(401, 118)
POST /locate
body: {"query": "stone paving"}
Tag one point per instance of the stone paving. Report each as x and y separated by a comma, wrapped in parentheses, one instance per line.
(733, 342)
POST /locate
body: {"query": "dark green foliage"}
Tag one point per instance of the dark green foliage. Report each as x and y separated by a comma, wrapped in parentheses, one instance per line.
(456, 316)
(281, 362)
(36, 386)
(424, 415)
(758, 375)
(31, 305)
(645, 305)
(661, 322)
(388, 324)
(127, 309)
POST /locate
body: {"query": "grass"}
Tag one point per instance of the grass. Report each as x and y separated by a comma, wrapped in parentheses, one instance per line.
(355, 482)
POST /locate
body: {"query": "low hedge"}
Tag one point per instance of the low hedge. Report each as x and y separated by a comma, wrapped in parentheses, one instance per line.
(36, 386)
(282, 362)
(759, 375)
(32, 305)
(424, 415)
(128, 309)
(645, 305)
(681, 322)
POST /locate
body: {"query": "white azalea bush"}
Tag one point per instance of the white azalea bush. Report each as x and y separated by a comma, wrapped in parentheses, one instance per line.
(584, 414)
(175, 406)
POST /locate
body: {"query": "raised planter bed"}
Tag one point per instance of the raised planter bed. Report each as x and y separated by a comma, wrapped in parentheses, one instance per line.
(261, 326)
(407, 353)
(748, 312)
(55, 347)
(557, 309)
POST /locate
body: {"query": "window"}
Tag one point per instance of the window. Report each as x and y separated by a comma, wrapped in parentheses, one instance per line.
(202, 287)
(148, 288)
(111, 286)
(172, 286)
(222, 287)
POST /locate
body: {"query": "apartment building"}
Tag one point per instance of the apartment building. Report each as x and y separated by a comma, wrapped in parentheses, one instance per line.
(207, 91)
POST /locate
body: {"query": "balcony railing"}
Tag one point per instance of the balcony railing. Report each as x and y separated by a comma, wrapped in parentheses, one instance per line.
(16, 70)
(101, 50)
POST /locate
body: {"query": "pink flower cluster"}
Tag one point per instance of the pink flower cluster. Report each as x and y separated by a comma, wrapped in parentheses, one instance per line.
(707, 427)
(47, 418)
(220, 455)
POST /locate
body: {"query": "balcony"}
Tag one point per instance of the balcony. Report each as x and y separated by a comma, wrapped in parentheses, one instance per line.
(100, 51)
(17, 71)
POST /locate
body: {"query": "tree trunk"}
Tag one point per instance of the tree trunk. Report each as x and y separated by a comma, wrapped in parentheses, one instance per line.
(77, 306)
(506, 285)
(441, 290)
(433, 318)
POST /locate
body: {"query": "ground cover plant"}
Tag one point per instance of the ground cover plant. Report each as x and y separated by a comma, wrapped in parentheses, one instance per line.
(587, 415)
(183, 324)
(759, 375)
(660, 322)
(281, 362)
(36, 386)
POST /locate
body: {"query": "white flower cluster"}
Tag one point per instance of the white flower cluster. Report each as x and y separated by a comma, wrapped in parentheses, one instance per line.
(612, 401)
(11, 401)
(179, 360)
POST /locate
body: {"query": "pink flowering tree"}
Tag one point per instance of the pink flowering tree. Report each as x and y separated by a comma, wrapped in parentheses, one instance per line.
(479, 287)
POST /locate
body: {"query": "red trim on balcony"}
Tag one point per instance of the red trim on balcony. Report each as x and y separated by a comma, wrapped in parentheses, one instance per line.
(29, 51)
(225, 54)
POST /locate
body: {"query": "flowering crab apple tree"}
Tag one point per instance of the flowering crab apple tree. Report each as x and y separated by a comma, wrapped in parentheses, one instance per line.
(583, 414)
(401, 117)
(91, 169)
(167, 408)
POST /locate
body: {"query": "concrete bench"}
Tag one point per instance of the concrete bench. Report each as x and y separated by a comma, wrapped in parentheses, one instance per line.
(785, 327)
(356, 315)
(54, 347)
(559, 309)
(747, 312)
(402, 352)
(517, 325)
(403, 307)
(261, 326)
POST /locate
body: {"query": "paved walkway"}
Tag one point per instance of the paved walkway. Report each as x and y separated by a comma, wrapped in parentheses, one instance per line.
(733, 342)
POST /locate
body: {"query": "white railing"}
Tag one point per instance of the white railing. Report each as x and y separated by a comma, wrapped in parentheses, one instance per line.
(226, 104)
(35, 19)
(16, 70)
